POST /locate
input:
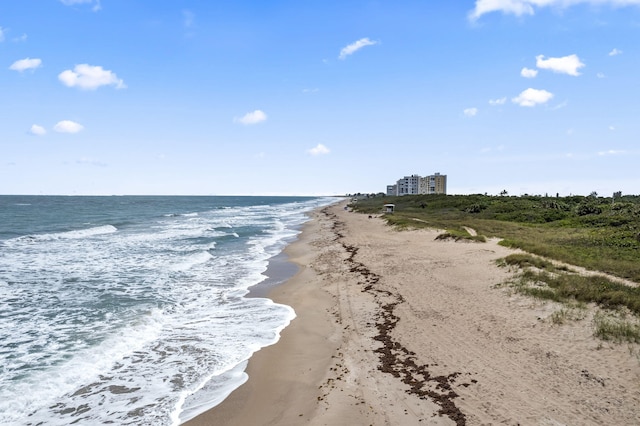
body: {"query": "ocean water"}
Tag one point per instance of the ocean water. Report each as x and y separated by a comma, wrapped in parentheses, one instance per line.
(132, 310)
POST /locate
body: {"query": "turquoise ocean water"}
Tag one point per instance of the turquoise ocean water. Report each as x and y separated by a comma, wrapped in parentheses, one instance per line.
(131, 310)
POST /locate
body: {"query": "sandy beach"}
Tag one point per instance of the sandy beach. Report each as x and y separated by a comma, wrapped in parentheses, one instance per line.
(397, 328)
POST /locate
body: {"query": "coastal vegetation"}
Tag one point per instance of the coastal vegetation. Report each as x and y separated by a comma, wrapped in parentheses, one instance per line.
(596, 233)
(588, 231)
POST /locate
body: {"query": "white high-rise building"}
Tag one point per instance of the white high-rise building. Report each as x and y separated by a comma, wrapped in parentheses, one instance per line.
(408, 185)
(415, 184)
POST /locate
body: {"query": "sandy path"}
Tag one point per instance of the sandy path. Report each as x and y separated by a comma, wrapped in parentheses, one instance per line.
(396, 328)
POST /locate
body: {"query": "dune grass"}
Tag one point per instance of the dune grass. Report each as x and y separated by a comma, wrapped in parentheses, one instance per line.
(563, 287)
(619, 329)
(591, 232)
(543, 280)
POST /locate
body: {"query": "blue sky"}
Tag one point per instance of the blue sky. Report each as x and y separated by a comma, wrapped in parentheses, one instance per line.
(314, 97)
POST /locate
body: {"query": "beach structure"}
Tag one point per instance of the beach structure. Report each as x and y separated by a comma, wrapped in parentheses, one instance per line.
(389, 208)
(416, 184)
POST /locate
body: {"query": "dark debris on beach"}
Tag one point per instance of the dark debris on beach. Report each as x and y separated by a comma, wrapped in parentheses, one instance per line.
(396, 359)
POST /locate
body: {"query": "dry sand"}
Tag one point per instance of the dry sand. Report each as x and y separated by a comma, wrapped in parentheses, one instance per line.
(395, 328)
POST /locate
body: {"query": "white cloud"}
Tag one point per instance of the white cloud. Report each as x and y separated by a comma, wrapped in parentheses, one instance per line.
(355, 46)
(500, 101)
(532, 97)
(22, 38)
(26, 64)
(564, 65)
(612, 128)
(319, 149)
(610, 152)
(528, 72)
(95, 3)
(528, 7)
(560, 105)
(615, 52)
(254, 117)
(88, 77)
(600, 75)
(515, 7)
(471, 112)
(2, 31)
(68, 126)
(37, 130)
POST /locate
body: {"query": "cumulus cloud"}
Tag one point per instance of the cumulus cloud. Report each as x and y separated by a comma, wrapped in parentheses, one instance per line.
(615, 52)
(68, 126)
(471, 112)
(26, 64)
(564, 65)
(515, 7)
(355, 46)
(37, 130)
(528, 72)
(600, 75)
(88, 77)
(499, 101)
(2, 31)
(249, 118)
(528, 7)
(532, 97)
(319, 149)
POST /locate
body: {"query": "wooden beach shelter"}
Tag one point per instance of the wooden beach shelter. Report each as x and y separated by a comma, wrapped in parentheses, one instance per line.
(389, 208)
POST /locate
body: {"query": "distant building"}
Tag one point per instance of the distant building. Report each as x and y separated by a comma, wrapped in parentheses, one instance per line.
(415, 184)
(408, 185)
(434, 184)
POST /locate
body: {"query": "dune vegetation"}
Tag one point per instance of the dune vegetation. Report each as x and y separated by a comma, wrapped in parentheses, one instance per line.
(595, 233)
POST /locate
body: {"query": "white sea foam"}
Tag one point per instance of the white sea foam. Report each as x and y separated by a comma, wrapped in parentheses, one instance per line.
(146, 324)
(192, 260)
(76, 234)
(40, 389)
(208, 394)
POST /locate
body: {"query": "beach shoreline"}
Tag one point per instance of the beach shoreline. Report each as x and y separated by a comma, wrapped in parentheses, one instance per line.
(279, 376)
(397, 328)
